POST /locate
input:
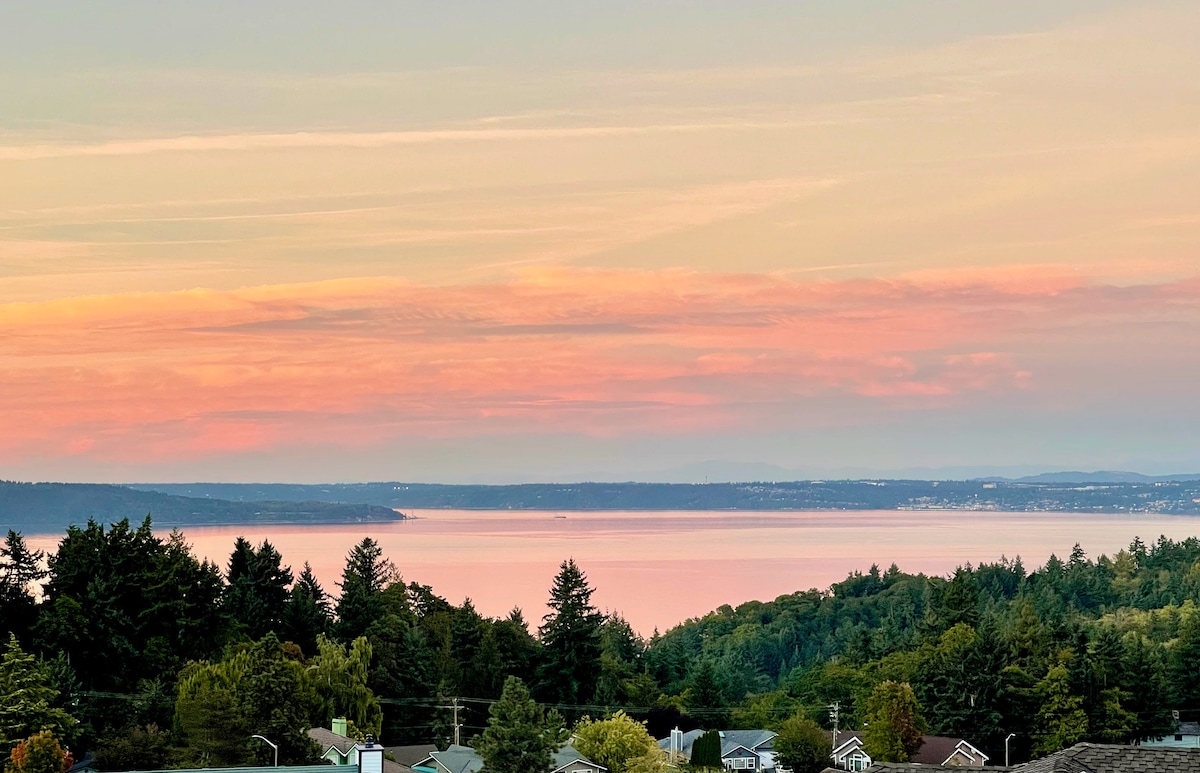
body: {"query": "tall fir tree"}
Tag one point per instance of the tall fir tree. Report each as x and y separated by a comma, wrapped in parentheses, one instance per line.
(570, 636)
(308, 613)
(364, 579)
(257, 594)
(516, 739)
(21, 573)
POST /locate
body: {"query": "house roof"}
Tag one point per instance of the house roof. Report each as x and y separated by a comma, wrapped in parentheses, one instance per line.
(567, 754)
(410, 755)
(750, 740)
(731, 741)
(916, 767)
(464, 759)
(1105, 758)
(936, 749)
(456, 759)
(326, 738)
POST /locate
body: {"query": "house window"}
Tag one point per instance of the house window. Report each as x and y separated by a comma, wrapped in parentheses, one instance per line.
(1179, 738)
(740, 763)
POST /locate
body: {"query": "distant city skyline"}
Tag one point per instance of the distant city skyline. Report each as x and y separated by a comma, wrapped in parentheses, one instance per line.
(529, 241)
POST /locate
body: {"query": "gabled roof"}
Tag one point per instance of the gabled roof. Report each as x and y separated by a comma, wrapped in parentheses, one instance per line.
(567, 754)
(412, 754)
(1106, 758)
(464, 759)
(327, 739)
(751, 741)
(938, 749)
(456, 759)
(852, 739)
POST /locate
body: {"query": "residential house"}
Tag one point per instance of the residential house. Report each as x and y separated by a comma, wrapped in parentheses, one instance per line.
(1104, 758)
(849, 753)
(740, 749)
(1186, 736)
(342, 750)
(463, 759)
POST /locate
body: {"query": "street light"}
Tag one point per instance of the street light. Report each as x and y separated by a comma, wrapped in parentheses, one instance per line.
(273, 746)
(1006, 740)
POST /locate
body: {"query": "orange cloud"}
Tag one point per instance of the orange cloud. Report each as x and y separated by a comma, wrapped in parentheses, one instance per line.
(367, 360)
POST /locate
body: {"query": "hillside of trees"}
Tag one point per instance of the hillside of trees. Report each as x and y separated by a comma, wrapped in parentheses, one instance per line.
(48, 508)
(122, 643)
(1146, 496)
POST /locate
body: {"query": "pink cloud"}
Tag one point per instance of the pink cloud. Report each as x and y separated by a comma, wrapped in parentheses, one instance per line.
(363, 361)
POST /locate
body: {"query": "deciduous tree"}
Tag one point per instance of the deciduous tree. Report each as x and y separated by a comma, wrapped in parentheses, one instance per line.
(802, 745)
(40, 753)
(614, 742)
(894, 724)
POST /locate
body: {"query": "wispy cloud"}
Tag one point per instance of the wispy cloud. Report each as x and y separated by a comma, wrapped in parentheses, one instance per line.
(296, 140)
(563, 350)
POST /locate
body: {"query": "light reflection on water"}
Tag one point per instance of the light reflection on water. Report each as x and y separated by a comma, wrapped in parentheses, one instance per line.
(659, 568)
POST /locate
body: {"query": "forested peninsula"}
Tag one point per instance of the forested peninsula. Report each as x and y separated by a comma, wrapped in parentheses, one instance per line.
(124, 643)
(52, 507)
(1168, 496)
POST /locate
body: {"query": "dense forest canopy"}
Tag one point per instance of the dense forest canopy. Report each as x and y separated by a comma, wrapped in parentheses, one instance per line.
(123, 643)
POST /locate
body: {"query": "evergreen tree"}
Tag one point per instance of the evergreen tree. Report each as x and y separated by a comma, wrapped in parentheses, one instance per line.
(1146, 685)
(308, 614)
(1061, 720)
(1184, 675)
(706, 751)
(27, 700)
(705, 697)
(257, 594)
(570, 636)
(515, 740)
(20, 574)
(275, 699)
(366, 575)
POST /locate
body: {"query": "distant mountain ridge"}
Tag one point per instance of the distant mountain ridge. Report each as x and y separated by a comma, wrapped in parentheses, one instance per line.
(52, 507)
(1099, 476)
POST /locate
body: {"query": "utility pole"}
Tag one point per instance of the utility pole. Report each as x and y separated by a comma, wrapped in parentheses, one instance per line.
(834, 712)
(454, 705)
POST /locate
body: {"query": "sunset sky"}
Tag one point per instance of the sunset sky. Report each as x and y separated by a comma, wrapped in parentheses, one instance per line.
(502, 241)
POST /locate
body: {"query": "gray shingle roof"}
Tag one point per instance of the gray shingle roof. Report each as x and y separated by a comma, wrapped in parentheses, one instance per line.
(1105, 758)
(730, 740)
(464, 759)
(916, 767)
(412, 754)
(326, 738)
(458, 759)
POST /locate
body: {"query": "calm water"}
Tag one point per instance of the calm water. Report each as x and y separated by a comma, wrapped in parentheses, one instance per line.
(660, 568)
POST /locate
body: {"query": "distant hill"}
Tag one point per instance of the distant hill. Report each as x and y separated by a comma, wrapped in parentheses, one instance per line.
(1100, 476)
(51, 507)
(1136, 497)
